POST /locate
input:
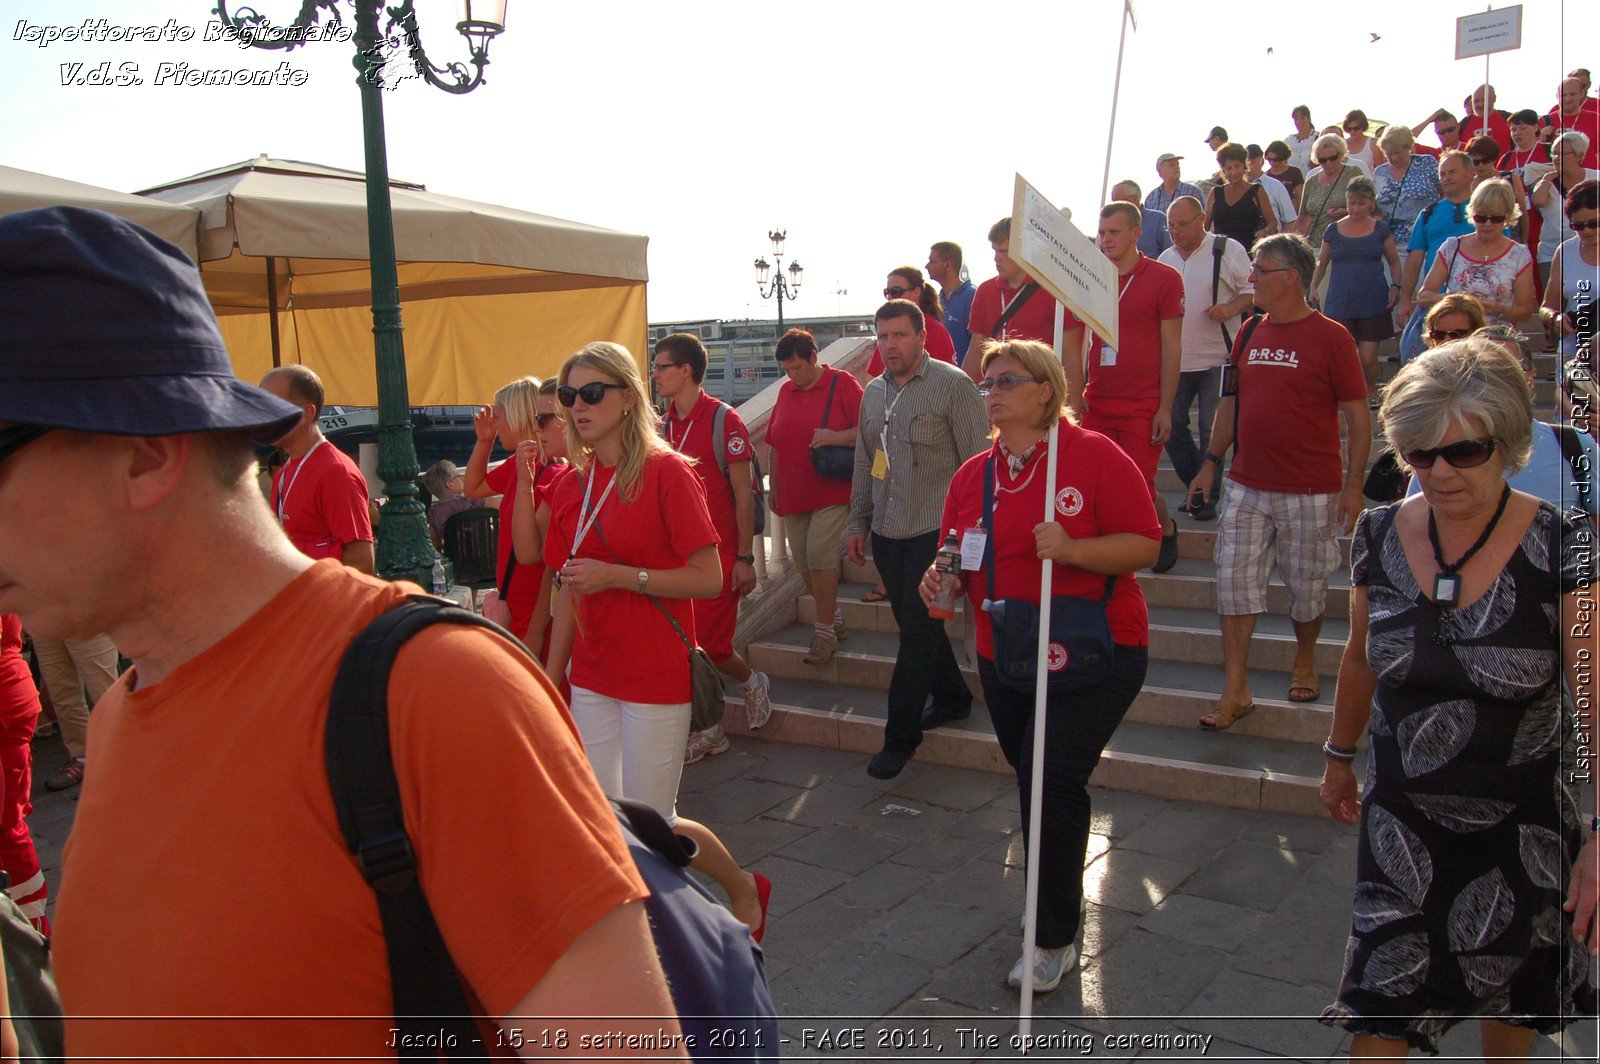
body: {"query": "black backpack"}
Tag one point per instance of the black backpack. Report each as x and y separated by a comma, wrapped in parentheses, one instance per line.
(713, 969)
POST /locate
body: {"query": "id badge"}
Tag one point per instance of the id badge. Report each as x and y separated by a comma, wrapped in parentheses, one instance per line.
(1108, 355)
(972, 547)
(880, 464)
(1230, 380)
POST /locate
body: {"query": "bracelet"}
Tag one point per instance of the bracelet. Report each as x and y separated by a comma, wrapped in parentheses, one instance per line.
(1395, 286)
(748, 559)
(1338, 753)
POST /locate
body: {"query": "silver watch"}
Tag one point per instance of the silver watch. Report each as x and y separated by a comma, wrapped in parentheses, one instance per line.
(644, 578)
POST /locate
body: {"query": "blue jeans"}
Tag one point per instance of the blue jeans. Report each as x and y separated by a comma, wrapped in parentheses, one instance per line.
(1204, 384)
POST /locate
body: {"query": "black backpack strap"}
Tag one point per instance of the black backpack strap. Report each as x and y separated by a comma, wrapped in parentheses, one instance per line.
(428, 996)
(1219, 248)
(1024, 294)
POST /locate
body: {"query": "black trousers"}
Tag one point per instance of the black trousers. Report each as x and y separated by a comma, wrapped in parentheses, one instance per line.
(926, 664)
(1080, 725)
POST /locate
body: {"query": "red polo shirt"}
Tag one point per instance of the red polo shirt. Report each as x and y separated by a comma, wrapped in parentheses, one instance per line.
(1587, 122)
(321, 499)
(692, 436)
(1098, 490)
(796, 415)
(1034, 320)
(1129, 378)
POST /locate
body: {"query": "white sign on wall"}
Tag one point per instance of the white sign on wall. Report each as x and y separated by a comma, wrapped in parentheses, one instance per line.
(1066, 263)
(1488, 32)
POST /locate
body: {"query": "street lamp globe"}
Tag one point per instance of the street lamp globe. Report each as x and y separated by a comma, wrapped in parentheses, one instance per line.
(763, 270)
(795, 271)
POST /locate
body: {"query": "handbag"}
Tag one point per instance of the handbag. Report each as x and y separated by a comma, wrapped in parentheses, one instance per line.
(834, 461)
(1081, 652)
(496, 604)
(1386, 481)
(706, 698)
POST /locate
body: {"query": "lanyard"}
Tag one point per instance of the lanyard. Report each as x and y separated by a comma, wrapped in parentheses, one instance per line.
(1005, 330)
(888, 412)
(283, 496)
(683, 437)
(587, 517)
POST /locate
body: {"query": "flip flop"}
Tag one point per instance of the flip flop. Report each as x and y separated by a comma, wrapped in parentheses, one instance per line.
(1305, 680)
(1223, 716)
(877, 594)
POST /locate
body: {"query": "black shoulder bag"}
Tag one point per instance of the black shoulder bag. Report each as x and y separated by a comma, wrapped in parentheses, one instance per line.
(1081, 651)
(834, 461)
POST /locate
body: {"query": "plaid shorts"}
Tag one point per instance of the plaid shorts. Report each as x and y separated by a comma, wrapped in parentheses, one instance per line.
(1257, 528)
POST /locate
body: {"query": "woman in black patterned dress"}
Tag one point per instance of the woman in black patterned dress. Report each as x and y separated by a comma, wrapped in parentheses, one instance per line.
(1476, 890)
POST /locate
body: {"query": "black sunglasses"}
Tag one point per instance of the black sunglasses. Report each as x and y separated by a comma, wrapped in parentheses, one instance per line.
(1583, 227)
(591, 393)
(541, 420)
(17, 437)
(1465, 454)
(1489, 219)
(895, 291)
(1439, 336)
(1327, 160)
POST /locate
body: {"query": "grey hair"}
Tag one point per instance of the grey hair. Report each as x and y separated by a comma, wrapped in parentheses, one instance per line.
(438, 477)
(1330, 140)
(1292, 251)
(1474, 383)
(1396, 138)
(1510, 334)
(1578, 140)
(1495, 196)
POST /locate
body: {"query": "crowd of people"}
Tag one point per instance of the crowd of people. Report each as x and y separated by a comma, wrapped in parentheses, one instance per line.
(1262, 296)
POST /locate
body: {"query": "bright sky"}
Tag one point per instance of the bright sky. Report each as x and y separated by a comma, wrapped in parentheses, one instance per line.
(868, 130)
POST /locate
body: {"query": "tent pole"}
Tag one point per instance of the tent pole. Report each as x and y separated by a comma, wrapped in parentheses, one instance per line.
(272, 305)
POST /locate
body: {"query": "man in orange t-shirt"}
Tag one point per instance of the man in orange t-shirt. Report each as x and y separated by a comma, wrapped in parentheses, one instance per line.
(210, 906)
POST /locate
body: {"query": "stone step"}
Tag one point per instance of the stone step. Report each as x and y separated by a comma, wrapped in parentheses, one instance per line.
(1176, 693)
(1229, 768)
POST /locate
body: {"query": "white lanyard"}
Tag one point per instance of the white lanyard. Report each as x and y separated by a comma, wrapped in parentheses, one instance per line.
(1005, 330)
(888, 412)
(283, 496)
(586, 517)
(683, 438)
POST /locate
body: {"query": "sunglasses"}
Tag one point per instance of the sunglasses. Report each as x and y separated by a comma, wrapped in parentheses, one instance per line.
(17, 437)
(1004, 383)
(1439, 336)
(1327, 160)
(895, 291)
(1489, 219)
(1466, 454)
(541, 420)
(591, 394)
(1448, 132)
(1584, 227)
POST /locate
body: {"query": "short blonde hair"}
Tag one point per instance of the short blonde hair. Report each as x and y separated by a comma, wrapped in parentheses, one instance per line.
(518, 401)
(1396, 138)
(1463, 381)
(1457, 303)
(1037, 360)
(1330, 140)
(1495, 197)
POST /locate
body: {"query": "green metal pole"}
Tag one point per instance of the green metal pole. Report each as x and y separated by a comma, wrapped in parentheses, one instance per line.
(405, 547)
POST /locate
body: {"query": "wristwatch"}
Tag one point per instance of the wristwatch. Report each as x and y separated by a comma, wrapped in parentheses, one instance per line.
(748, 559)
(1209, 457)
(644, 578)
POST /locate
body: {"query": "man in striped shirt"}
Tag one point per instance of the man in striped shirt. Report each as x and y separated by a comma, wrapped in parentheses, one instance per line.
(919, 421)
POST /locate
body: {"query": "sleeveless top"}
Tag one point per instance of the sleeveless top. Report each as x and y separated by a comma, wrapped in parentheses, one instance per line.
(1239, 220)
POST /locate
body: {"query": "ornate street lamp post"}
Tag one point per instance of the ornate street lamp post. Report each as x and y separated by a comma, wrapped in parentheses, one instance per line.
(782, 288)
(405, 548)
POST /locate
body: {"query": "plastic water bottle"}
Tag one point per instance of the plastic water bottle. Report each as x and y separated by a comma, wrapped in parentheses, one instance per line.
(947, 563)
(440, 586)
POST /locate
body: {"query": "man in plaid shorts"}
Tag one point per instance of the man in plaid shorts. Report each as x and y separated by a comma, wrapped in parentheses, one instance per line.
(1291, 374)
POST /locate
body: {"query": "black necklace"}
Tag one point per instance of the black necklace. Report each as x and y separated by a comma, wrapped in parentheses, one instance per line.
(1447, 585)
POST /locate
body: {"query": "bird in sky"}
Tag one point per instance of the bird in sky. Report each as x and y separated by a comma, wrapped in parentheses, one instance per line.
(1375, 39)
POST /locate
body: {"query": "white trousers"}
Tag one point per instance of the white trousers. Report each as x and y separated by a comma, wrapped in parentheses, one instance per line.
(635, 748)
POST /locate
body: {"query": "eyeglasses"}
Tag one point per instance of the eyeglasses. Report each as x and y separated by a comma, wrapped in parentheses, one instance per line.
(1439, 336)
(1262, 269)
(1465, 454)
(662, 367)
(1482, 162)
(1448, 131)
(895, 291)
(541, 420)
(1584, 227)
(591, 393)
(1327, 160)
(1489, 219)
(1004, 383)
(17, 437)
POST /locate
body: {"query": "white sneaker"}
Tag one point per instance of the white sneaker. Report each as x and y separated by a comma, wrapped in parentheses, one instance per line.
(705, 743)
(1049, 965)
(757, 700)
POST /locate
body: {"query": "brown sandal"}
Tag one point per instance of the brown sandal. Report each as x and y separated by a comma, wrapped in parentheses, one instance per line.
(1223, 716)
(877, 594)
(1305, 679)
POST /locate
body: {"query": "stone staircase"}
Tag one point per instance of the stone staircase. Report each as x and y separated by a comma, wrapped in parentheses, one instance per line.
(1269, 761)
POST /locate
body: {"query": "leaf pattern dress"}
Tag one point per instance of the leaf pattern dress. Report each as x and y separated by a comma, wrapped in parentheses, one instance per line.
(1469, 822)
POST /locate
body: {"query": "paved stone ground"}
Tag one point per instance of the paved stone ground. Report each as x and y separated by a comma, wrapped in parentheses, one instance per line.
(1212, 933)
(896, 909)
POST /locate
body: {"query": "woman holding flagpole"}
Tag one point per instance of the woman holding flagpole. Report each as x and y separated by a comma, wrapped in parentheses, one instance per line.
(1105, 529)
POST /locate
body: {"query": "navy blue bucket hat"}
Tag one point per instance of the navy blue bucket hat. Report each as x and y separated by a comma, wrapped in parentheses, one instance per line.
(105, 327)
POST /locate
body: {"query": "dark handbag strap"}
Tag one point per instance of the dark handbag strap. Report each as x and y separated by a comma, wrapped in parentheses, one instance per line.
(676, 627)
(1024, 294)
(428, 995)
(827, 407)
(988, 532)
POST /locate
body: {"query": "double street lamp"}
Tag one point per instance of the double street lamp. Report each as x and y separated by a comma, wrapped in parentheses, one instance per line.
(783, 288)
(405, 548)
